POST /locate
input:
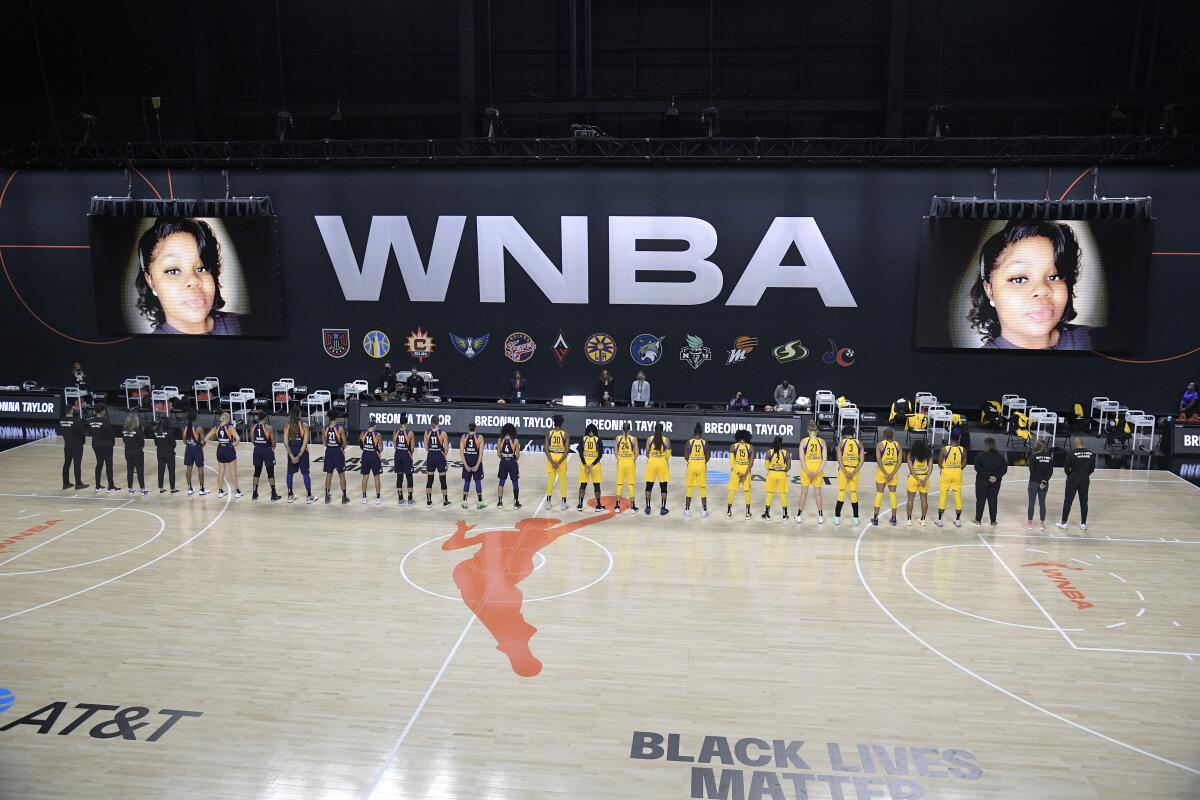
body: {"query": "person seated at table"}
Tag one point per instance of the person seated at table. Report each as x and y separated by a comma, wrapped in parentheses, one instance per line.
(516, 388)
(1189, 401)
(739, 403)
(79, 378)
(416, 386)
(387, 382)
(785, 396)
(639, 391)
(606, 389)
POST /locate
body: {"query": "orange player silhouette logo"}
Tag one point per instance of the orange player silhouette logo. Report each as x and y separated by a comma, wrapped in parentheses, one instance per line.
(488, 579)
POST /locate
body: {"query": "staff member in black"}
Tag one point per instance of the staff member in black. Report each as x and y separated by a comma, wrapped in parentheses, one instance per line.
(1041, 468)
(135, 452)
(416, 386)
(72, 431)
(164, 446)
(989, 470)
(1079, 466)
(387, 381)
(103, 441)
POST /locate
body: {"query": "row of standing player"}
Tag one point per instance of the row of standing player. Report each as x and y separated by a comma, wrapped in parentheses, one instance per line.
(812, 454)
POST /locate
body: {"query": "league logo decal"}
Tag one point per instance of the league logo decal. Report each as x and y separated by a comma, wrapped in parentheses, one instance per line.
(560, 349)
(377, 344)
(488, 579)
(742, 347)
(842, 356)
(519, 347)
(600, 348)
(791, 351)
(469, 346)
(419, 344)
(694, 353)
(336, 341)
(646, 349)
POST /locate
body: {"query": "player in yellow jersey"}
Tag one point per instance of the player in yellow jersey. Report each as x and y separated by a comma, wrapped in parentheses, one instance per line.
(887, 472)
(558, 444)
(697, 455)
(850, 464)
(626, 449)
(920, 467)
(658, 456)
(778, 461)
(812, 469)
(951, 460)
(741, 459)
(590, 453)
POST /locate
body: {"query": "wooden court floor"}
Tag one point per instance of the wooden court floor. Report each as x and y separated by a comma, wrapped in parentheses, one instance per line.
(176, 647)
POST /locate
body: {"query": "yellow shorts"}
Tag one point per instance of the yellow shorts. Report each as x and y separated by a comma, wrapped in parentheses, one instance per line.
(561, 471)
(735, 484)
(806, 480)
(697, 473)
(626, 472)
(590, 474)
(844, 484)
(950, 479)
(913, 487)
(777, 481)
(893, 483)
(657, 470)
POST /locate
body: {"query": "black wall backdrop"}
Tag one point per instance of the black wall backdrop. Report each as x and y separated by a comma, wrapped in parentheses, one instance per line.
(870, 218)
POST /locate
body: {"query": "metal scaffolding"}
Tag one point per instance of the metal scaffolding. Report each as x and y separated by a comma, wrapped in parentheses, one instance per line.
(604, 150)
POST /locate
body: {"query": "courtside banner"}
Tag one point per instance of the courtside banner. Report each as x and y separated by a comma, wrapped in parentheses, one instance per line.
(678, 424)
(30, 405)
(1185, 439)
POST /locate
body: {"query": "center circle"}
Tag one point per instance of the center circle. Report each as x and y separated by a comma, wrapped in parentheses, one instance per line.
(411, 582)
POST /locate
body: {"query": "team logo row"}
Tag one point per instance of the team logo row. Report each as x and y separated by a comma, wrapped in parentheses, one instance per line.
(599, 348)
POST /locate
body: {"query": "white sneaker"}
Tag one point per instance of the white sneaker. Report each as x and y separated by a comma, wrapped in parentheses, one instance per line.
(291, 498)
(704, 513)
(1083, 526)
(797, 519)
(220, 493)
(131, 492)
(958, 523)
(1062, 526)
(908, 523)
(820, 519)
(190, 491)
(378, 501)
(145, 492)
(687, 512)
(364, 500)
(238, 494)
(564, 504)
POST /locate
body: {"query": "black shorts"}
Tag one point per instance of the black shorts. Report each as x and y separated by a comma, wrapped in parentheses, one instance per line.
(301, 464)
(263, 456)
(193, 456)
(403, 463)
(435, 462)
(226, 453)
(476, 475)
(335, 460)
(509, 468)
(370, 464)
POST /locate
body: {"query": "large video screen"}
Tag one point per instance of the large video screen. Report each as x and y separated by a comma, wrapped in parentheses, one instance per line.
(1023, 284)
(187, 276)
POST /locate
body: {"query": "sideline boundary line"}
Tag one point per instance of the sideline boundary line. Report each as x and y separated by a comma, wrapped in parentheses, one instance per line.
(1028, 703)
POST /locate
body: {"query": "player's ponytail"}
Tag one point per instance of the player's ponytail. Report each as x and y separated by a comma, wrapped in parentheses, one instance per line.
(658, 440)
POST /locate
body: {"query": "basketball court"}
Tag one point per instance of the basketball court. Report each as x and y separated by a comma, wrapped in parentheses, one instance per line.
(176, 646)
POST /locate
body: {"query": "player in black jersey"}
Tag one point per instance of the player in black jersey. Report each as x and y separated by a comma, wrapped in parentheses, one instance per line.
(263, 437)
(227, 440)
(402, 464)
(370, 464)
(335, 457)
(509, 451)
(436, 445)
(103, 440)
(471, 448)
(295, 434)
(193, 452)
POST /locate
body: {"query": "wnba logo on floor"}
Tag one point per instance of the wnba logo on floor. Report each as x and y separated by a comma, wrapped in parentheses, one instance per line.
(7, 698)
